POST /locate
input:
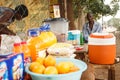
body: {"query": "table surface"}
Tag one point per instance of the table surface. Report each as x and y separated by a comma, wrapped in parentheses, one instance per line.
(80, 54)
(84, 50)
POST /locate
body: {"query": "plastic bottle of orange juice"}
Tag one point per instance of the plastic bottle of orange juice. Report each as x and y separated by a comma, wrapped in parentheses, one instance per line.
(27, 56)
(26, 52)
(17, 48)
(31, 42)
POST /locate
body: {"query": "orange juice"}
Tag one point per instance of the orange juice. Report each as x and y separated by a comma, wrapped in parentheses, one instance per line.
(26, 52)
(32, 41)
(17, 48)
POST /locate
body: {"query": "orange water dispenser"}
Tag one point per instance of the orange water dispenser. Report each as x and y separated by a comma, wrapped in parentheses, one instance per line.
(102, 48)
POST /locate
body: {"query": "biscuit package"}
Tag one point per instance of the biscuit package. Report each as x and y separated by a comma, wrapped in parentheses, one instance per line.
(3, 69)
(16, 67)
(12, 67)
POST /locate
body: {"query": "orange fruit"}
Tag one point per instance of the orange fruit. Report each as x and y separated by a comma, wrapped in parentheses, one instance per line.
(74, 68)
(62, 67)
(33, 64)
(51, 70)
(49, 61)
(38, 69)
(71, 64)
(40, 60)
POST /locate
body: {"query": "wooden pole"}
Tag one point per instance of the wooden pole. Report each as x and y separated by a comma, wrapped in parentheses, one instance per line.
(65, 3)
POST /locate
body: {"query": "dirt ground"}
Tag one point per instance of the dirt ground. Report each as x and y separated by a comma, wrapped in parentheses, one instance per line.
(117, 73)
(103, 73)
(118, 54)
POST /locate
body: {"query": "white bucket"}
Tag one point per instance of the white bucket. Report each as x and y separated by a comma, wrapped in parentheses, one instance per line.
(60, 27)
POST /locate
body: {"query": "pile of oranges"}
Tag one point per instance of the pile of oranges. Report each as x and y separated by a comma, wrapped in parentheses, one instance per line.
(48, 65)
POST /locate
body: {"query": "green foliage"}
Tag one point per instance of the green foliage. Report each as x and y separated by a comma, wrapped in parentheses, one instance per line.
(115, 22)
(115, 9)
(97, 7)
(79, 5)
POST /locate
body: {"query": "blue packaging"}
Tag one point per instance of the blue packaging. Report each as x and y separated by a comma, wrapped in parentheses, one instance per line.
(4, 69)
(74, 36)
(16, 66)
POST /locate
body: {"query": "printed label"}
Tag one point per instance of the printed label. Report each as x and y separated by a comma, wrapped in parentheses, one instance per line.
(3, 71)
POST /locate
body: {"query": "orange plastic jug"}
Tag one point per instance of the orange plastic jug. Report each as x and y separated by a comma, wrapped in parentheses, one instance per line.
(31, 42)
(101, 48)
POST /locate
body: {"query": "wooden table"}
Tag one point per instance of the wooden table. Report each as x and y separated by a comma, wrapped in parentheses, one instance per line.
(81, 54)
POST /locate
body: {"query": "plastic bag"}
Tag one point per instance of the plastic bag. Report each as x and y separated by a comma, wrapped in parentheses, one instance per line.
(46, 38)
(7, 42)
(61, 50)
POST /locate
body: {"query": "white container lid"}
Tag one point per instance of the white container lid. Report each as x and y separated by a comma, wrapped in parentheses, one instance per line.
(101, 39)
(74, 31)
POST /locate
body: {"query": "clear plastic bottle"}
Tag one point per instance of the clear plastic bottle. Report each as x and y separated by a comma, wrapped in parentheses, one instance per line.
(31, 42)
(17, 48)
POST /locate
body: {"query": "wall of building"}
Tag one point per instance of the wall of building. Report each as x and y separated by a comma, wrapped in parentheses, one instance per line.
(38, 11)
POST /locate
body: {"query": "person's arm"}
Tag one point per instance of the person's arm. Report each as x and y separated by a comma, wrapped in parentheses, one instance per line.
(5, 16)
(5, 30)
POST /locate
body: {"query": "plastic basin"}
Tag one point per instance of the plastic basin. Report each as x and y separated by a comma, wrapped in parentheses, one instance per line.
(69, 76)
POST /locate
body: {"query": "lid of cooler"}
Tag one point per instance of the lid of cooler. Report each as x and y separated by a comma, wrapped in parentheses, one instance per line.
(101, 35)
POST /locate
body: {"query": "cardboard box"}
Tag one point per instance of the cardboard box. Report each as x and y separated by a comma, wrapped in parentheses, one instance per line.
(16, 67)
(56, 11)
(4, 69)
(12, 67)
